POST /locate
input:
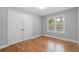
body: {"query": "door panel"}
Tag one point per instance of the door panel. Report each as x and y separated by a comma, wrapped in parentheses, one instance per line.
(14, 27)
(27, 26)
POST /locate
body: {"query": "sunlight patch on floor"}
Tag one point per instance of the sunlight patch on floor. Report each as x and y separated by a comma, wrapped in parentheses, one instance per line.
(53, 47)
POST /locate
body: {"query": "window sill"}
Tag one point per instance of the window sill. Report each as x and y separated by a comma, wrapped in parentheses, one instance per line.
(60, 32)
(55, 32)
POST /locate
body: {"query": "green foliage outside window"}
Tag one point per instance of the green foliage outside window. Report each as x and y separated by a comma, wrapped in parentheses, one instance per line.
(60, 21)
(57, 23)
(51, 21)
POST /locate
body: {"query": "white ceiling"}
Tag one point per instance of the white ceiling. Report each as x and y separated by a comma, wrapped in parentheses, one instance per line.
(45, 11)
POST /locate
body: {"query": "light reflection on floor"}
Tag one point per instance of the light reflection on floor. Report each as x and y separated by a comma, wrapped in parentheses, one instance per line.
(53, 47)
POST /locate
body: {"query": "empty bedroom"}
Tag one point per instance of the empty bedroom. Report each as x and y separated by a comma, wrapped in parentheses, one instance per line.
(39, 29)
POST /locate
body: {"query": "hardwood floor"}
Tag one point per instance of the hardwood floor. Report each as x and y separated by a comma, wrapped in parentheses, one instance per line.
(43, 44)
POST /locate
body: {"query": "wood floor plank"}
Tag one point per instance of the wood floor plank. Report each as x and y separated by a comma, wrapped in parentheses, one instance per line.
(43, 44)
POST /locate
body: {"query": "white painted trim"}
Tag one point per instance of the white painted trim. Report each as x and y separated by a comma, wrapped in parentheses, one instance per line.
(25, 40)
(48, 24)
(13, 43)
(62, 38)
(36, 36)
(19, 41)
(55, 30)
(3, 46)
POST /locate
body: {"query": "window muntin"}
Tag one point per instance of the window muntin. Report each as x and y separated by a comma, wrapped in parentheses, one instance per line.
(56, 24)
(51, 24)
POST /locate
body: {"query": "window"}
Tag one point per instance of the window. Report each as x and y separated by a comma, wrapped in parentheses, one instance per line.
(51, 24)
(56, 24)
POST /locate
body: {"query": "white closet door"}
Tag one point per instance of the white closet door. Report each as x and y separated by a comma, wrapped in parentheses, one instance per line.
(27, 25)
(14, 27)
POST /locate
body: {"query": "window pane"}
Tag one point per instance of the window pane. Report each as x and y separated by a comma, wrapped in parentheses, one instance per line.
(51, 24)
(60, 24)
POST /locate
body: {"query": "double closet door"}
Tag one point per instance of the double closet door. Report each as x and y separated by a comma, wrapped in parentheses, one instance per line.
(19, 27)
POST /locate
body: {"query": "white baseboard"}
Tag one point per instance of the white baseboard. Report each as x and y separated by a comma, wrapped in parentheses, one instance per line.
(32, 37)
(3, 46)
(35, 36)
(62, 38)
(19, 41)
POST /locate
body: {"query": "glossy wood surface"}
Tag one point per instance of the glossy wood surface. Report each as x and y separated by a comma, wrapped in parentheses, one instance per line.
(43, 44)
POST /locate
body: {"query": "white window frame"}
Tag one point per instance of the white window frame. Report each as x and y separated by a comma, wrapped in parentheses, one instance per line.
(48, 25)
(55, 25)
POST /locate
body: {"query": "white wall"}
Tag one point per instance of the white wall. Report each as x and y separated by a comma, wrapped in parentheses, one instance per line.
(78, 24)
(36, 24)
(71, 24)
(3, 26)
(36, 21)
